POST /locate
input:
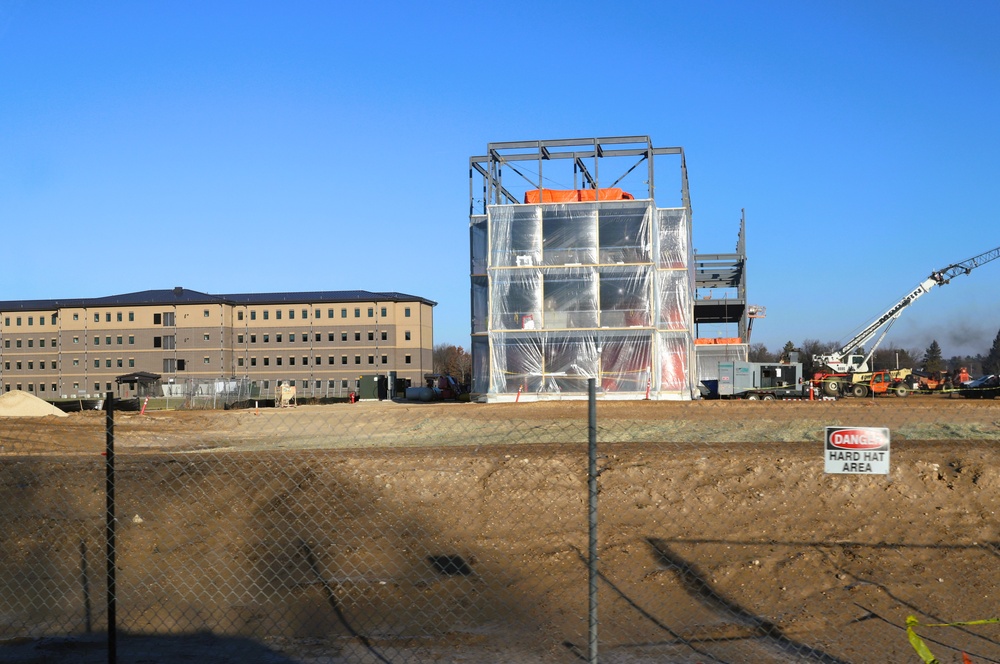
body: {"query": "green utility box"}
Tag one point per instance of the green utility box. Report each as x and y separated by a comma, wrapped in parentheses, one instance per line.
(373, 387)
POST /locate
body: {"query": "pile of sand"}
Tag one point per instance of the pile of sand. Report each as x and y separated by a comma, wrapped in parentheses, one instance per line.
(21, 404)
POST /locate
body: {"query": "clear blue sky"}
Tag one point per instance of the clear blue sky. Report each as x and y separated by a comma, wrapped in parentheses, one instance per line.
(252, 146)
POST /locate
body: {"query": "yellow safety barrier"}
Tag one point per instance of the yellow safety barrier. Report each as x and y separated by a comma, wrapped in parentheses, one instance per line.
(922, 649)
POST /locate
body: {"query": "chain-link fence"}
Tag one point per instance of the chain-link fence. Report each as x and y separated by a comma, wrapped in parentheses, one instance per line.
(386, 531)
(223, 393)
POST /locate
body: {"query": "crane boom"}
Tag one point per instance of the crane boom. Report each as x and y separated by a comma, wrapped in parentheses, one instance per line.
(841, 359)
(965, 267)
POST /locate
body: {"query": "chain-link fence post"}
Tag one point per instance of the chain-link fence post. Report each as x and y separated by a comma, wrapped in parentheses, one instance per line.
(592, 516)
(109, 527)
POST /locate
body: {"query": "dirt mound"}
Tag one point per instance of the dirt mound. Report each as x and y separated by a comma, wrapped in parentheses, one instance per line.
(21, 404)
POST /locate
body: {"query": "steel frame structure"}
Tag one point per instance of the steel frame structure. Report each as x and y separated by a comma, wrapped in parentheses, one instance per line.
(582, 151)
(505, 175)
(712, 271)
(726, 272)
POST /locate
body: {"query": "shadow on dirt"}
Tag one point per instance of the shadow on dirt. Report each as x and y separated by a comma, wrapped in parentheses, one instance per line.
(93, 649)
(754, 627)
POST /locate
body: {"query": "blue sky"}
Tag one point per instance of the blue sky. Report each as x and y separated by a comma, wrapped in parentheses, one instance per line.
(252, 146)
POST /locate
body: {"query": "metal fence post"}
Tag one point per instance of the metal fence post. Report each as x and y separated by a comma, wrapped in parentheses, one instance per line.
(592, 517)
(109, 523)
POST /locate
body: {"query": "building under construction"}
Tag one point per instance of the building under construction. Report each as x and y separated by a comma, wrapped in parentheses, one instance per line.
(583, 267)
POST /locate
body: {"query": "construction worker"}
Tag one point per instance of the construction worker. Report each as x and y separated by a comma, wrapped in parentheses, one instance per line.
(963, 376)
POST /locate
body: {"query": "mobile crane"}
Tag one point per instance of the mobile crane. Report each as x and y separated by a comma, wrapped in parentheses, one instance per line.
(836, 370)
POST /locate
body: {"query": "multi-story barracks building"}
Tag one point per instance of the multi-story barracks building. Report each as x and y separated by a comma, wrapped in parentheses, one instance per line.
(321, 343)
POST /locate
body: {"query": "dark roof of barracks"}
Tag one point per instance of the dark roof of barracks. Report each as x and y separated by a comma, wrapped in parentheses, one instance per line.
(186, 296)
(141, 377)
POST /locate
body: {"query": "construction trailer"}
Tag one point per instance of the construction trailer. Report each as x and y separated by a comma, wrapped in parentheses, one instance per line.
(758, 380)
(573, 280)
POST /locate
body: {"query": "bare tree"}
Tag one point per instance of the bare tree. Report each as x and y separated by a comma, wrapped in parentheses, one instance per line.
(892, 357)
(809, 348)
(453, 361)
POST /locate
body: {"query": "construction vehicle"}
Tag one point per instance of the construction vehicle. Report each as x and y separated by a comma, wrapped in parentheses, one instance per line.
(836, 370)
(879, 383)
(929, 381)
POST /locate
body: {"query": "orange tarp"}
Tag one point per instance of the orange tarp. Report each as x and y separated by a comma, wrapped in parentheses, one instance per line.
(723, 340)
(575, 195)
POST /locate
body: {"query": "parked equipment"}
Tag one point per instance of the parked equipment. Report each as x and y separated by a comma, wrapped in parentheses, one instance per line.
(879, 382)
(437, 387)
(836, 370)
(764, 381)
(935, 381)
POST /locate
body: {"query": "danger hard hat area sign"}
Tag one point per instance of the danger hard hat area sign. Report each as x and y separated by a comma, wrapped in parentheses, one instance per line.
(857, 450)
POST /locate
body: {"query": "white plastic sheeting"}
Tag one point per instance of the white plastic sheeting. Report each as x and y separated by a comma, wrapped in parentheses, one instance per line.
(675, 234)
(480, 302)
(478, 239)
(557, 362)
(674, 294)
(583, 290)
(708, 357)
(480, 365)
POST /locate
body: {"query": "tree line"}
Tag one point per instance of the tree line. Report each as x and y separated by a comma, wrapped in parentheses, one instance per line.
(931, 359)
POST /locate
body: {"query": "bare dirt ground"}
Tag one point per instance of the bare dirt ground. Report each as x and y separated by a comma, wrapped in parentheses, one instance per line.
(318, 533)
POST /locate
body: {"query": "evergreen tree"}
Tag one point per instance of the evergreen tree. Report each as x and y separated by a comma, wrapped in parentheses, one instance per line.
(933, 359)
(787, 351)
(991, 365)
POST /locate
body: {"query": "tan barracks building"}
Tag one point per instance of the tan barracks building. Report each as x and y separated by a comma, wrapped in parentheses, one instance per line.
(319, 342)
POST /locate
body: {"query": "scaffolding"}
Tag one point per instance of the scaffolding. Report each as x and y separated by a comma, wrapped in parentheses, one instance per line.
(577, 274)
